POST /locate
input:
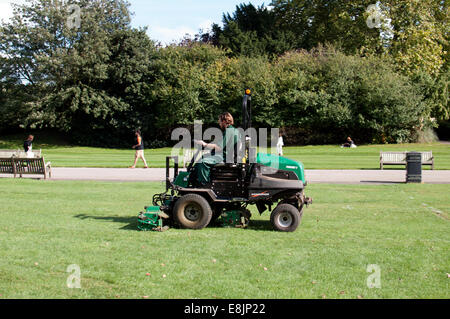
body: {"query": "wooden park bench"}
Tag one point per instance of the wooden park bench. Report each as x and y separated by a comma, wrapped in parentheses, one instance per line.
(22, 154)
(18, 153)
(399, 158)
(25, 166)
(7, 166)
(8, 153)
(33, 166)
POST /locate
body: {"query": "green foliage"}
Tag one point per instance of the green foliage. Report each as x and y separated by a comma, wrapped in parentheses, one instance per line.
(186, 84)
(413, 33)
(435, 92)
(316, 22)
(93, 78)
(331, 95)
(200, 82)
(325, 92)
(251, 31)
(420, 34)
(102, 80)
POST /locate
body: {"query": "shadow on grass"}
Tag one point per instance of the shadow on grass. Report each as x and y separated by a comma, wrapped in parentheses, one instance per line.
(378, 169)
(130, 221)
(259, 225)
(263, 225)
(132, 224)
(382, 182)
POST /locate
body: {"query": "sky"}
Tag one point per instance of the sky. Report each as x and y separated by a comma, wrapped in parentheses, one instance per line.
(172, 19)
(169, 20)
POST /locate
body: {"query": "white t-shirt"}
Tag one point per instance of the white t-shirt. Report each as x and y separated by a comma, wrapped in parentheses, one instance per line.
(280, 145)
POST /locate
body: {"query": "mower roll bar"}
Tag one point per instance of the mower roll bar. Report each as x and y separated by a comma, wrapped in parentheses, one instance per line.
(176, 170)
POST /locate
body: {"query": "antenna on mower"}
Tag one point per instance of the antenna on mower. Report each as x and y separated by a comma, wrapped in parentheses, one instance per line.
(250, 152)
(247, 110)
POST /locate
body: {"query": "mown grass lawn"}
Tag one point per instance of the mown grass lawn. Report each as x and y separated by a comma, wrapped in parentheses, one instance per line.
(313, 157)
(45, 226)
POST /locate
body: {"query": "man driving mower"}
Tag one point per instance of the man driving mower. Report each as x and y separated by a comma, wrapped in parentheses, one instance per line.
(213, 189)
(231, 137)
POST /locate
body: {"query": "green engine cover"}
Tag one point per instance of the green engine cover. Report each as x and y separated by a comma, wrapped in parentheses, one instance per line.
(282, 163)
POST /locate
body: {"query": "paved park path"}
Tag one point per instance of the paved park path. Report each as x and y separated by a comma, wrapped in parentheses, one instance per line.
(313, 176)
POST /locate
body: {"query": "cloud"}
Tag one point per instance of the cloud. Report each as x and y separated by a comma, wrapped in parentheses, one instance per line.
(6, 11)
(167, 35)
(206, 25)
(161, 33)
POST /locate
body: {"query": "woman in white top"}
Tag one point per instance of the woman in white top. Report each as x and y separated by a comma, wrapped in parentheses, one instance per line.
(28, 146)
(280, 145)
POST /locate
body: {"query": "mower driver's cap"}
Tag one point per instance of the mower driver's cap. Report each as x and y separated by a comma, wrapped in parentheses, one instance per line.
(248, 92)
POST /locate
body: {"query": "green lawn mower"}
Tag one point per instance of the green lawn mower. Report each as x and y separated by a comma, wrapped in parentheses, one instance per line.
(263, 180)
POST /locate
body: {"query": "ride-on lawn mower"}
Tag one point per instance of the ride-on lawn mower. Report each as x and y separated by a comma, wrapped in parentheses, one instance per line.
(259, 179)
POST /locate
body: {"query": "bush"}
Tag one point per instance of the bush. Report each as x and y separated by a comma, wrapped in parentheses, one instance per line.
(426, 136)
(331, 96)
(319, 96)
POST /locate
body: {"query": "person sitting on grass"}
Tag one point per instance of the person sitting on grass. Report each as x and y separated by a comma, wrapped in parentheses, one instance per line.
(139, 147)
(349, 143)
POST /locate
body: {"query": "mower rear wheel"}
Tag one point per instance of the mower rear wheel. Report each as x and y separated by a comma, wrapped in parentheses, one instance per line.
(286, 218)
(192, 211)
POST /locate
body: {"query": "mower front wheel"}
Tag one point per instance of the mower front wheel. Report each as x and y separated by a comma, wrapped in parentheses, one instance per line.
(286, 218)
(192, 211)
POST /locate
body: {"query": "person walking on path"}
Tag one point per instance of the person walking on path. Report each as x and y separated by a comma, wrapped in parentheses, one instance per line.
(139, 147)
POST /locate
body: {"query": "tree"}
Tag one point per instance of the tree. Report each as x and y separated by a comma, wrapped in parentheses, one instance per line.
(13, 99)
(329, 95)
(187, 84)
(341, 23)
(435, 92)
(414, 33)
(86, 77)
(420, 28)
(251, 31)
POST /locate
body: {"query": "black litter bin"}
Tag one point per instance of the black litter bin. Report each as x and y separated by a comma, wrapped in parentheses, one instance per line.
(414, 167)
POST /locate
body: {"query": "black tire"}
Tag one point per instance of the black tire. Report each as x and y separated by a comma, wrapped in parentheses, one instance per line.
(192, 211)
(286, 218)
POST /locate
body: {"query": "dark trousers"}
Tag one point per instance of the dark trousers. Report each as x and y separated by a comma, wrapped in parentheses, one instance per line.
(203, 168)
